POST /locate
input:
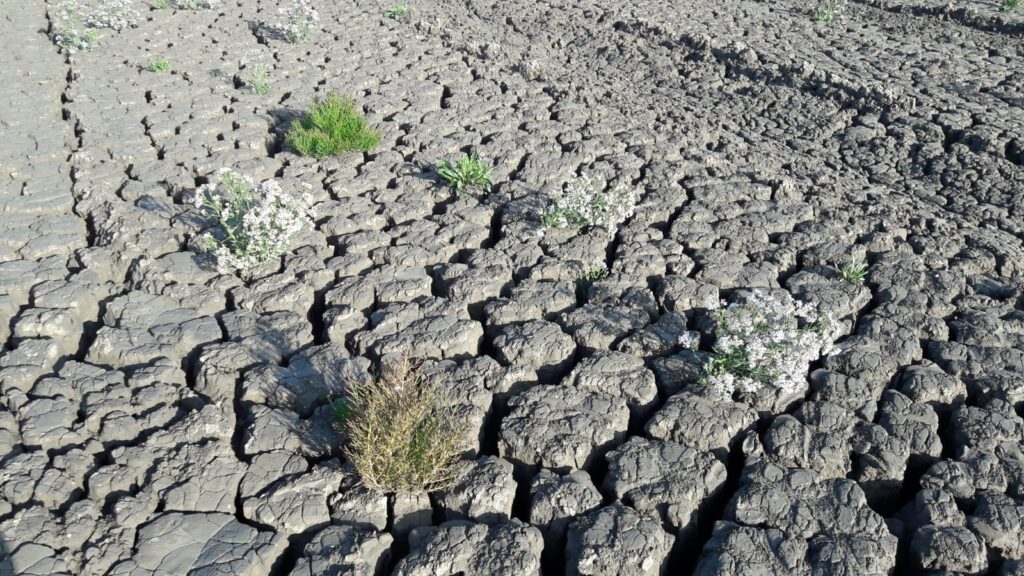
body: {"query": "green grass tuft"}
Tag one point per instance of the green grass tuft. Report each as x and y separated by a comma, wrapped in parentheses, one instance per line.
(467, 175)
(159, 65)
(855, 273)
(331, 126)
(1009, 5)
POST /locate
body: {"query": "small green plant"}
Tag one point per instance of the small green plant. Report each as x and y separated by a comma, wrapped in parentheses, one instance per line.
(827, 11)
(855, 273)
(161, 4)
(159, 65)
(1009, 5)
(252, 223)
(72, 34)
(258, 80)
(582, 204)
(397, 12)
(587, 279)
(594, 274)
(401, 435)
(467, 175)
(331, 126)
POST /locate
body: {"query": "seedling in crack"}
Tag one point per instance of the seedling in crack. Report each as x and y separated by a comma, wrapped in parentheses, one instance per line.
(587, 279)
(159, 65)
(400, 433)
(331, 126)
(397, 12)
(855, 273)
(468, 175)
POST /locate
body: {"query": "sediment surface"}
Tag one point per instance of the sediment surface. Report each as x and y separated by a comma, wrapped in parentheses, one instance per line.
(159, 418)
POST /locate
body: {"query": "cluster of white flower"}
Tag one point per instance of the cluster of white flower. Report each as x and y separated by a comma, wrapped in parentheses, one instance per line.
(257, 222)
(195, 4)
(114, 14)
(297, 21)
(582, 204)
(767, 341)
(72, 35)
(689, 340)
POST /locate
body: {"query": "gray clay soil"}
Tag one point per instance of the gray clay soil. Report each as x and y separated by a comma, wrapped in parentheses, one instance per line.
(158, 418)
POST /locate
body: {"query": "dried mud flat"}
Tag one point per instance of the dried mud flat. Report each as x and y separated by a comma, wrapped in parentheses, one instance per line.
(157, 418)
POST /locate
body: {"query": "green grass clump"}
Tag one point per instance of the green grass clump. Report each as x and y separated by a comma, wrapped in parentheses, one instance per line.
(400, 435)
(397, 12)
(1009, 5)
(855, 273)
(161, 4)
(331, 126)
(467, 175)
(159, 65)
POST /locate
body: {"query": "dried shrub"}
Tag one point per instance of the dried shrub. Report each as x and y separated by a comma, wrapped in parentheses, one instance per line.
(400, 433)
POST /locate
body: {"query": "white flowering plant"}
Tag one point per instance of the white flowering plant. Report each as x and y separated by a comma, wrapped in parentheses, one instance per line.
(767, 341)
(195, 4)
(114, 14)
(72, 35)
(255, 222)
(297, 21)
(582, 204)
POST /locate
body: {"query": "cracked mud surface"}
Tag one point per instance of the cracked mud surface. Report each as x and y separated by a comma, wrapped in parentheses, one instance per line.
(157, 418)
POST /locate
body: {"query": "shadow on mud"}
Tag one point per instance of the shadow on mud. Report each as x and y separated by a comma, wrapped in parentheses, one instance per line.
(6, 568)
